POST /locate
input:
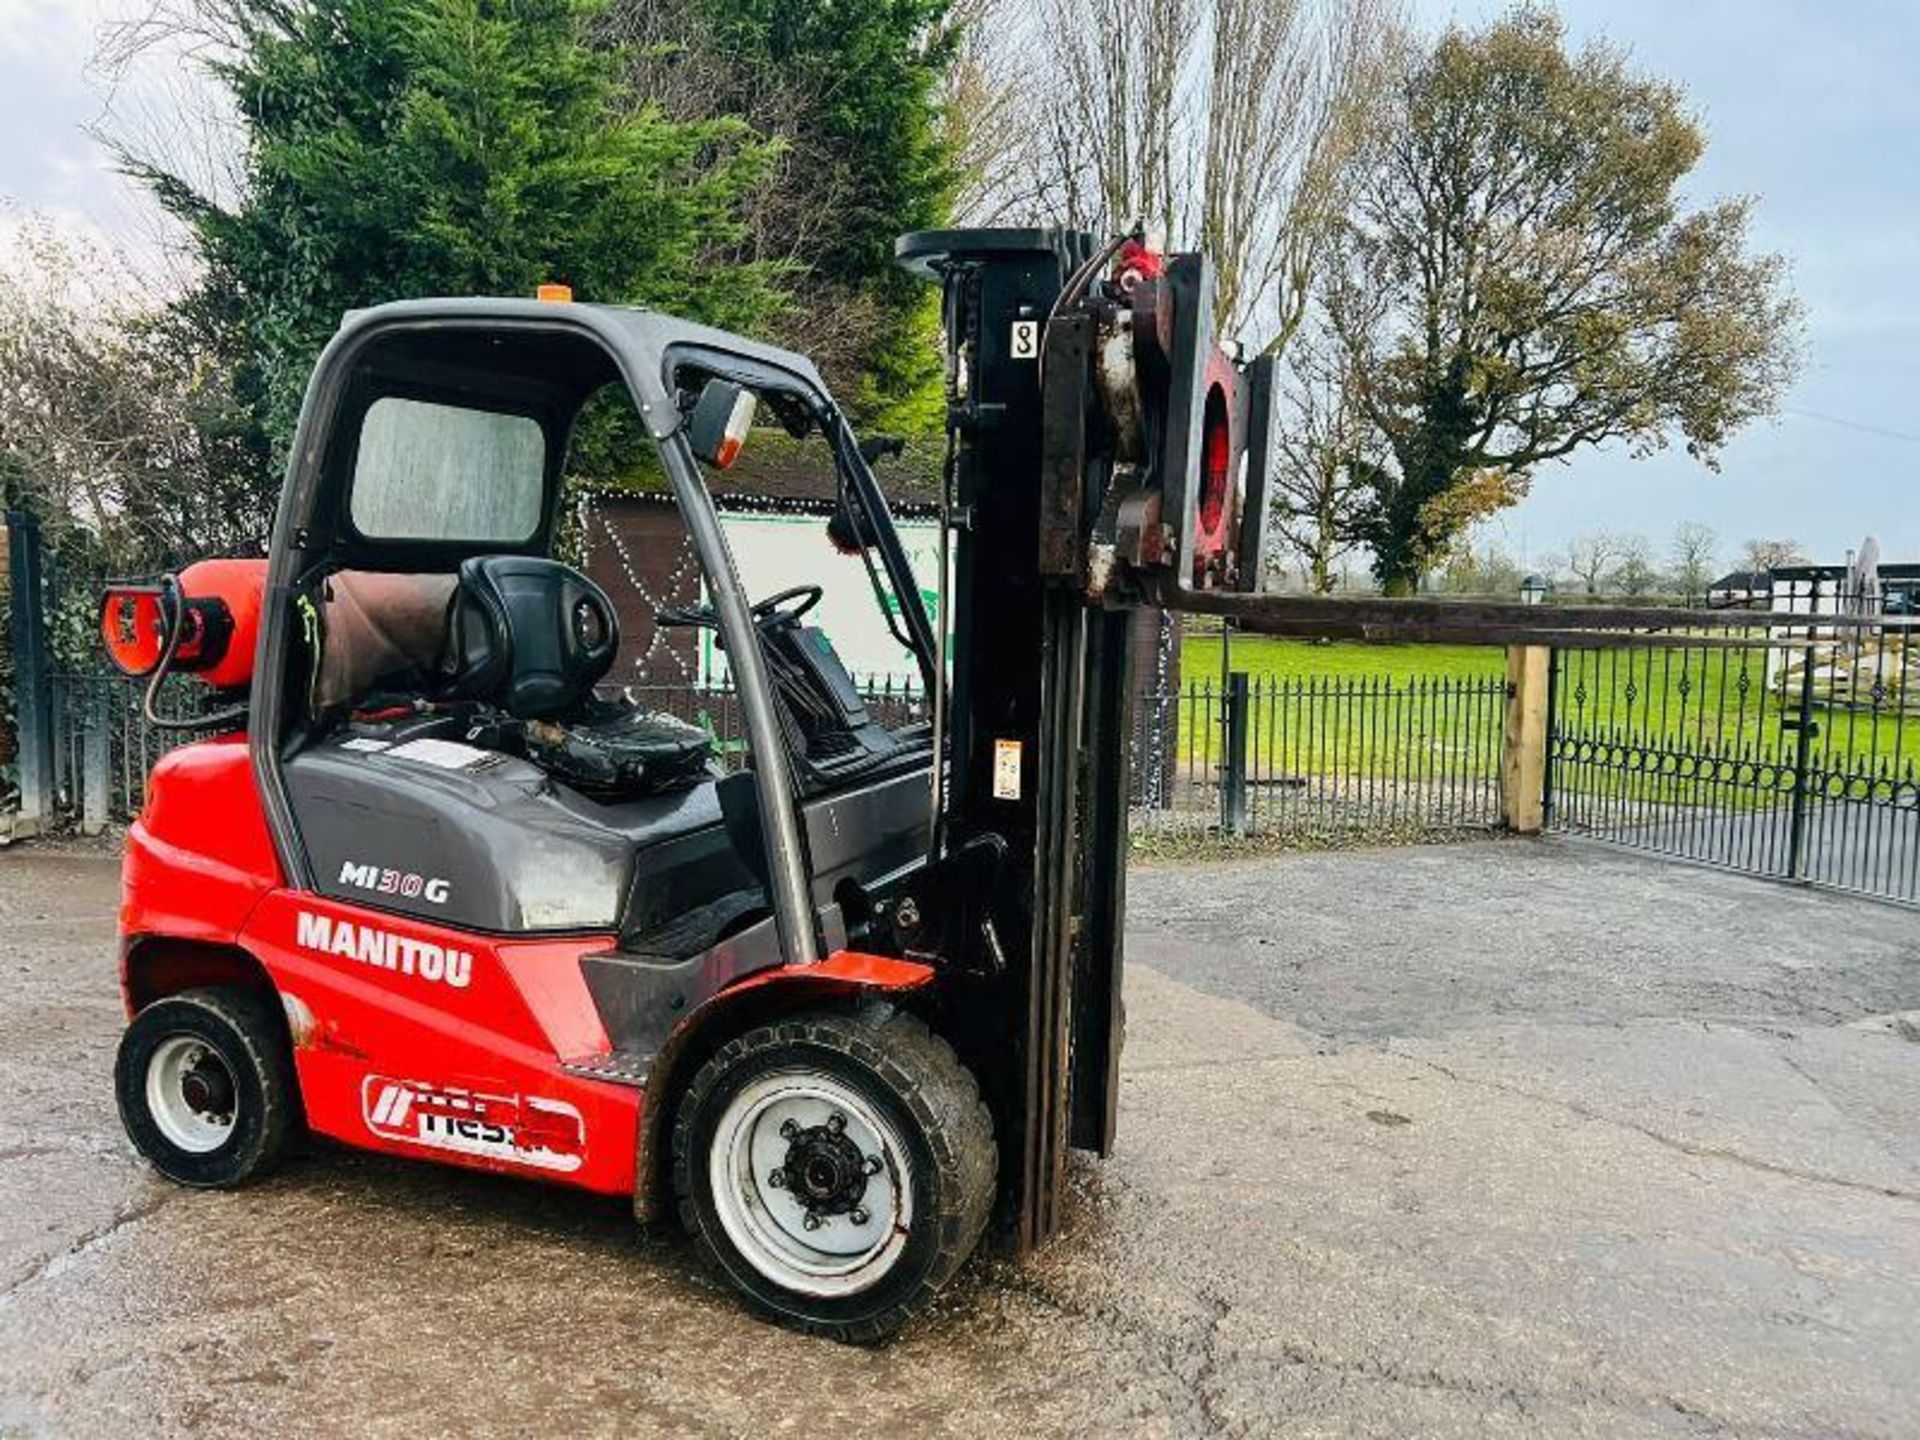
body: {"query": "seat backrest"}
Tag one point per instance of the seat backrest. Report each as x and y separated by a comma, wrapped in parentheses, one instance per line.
(530, 635)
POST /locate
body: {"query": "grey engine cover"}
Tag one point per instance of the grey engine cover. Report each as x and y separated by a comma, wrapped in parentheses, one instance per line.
(478, 840)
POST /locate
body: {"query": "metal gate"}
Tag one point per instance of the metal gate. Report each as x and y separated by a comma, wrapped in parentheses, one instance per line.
(1799, 759)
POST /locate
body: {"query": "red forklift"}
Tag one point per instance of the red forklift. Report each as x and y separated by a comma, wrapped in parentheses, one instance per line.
(430, 886)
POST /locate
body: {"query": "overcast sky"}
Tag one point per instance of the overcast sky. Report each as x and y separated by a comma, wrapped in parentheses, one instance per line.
(1814, 107)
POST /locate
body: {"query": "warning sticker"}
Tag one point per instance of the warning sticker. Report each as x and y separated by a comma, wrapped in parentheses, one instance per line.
(443, 754)
(1006, 769)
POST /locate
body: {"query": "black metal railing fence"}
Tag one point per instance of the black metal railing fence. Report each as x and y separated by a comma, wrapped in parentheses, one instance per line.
(1318, 759)
(1314, 759)
(1797, 759)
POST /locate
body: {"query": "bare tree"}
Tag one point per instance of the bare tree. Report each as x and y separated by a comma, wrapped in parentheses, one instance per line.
(1483, 568)
(1324, 454)
(1762, 556)
(1231, 125)
(1692, 553)
(1634, 575)
(1286, 109)
(1591, 557)
(983, 95)
(1108, 107)
(112, 413)
(162, 103)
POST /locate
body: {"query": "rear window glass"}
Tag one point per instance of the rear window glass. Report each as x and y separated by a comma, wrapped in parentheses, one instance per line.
(444, 472)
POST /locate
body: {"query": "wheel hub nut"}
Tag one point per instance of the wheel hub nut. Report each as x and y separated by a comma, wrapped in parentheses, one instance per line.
(824, 1171)
(207, 1087)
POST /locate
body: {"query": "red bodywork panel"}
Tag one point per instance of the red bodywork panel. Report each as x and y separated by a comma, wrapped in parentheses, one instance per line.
(424, 1041)
(199, 857)
(409, 1037)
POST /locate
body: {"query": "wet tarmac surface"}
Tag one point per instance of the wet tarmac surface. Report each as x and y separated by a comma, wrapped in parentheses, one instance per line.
(1524, 1139)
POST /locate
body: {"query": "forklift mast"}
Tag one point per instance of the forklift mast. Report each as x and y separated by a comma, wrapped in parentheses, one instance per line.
(1018, 666)
(1095, 437)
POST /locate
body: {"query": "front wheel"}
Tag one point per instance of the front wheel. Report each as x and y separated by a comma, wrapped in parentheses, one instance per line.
(837, 1167)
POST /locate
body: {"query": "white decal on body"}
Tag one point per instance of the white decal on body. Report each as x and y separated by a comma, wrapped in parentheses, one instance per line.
(404, 883)
(539, 1133)
(384, 950)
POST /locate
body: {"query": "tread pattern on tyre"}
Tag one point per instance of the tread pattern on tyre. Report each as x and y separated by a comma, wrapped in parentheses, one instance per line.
(944, 1099)
(258, 1031)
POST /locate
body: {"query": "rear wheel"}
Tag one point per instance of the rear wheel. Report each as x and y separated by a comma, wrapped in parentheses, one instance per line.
(206, 1087)
(836, 1167)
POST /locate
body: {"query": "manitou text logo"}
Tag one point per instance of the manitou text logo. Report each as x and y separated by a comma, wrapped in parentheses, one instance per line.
(378, 881)
(385, 950)
(532, 1131)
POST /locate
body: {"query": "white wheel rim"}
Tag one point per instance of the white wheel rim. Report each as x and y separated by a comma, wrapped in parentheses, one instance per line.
(765, 1217)
(184, 1114)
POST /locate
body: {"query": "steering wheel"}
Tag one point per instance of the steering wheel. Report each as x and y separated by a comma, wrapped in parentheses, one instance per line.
(769, 608)
(702, 617)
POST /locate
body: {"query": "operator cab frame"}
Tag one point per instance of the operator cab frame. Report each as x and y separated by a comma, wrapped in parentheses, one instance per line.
(533, 848)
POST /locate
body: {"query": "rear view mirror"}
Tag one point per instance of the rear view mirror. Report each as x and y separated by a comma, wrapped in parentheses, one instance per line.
(721, 418)
(842, 533)
(876, 448)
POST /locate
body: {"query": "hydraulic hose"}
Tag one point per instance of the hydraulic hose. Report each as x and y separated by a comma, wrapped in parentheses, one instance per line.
(170, 588)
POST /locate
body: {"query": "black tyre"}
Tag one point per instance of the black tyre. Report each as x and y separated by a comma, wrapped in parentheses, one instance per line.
(837, 1167)
(206, 1087)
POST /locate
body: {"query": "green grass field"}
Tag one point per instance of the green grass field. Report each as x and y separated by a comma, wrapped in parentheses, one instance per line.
(1263, 656)
(1342, 709)
(1356, 709)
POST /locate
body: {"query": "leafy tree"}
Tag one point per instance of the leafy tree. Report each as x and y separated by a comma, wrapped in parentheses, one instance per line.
(1519, 279)
(869, 69)
(851, 91)
(401, 148)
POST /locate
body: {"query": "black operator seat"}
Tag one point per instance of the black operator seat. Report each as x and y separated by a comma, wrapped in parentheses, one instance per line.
(533, 636)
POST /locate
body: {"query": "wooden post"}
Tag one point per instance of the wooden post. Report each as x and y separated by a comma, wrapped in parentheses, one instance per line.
(1523, 750)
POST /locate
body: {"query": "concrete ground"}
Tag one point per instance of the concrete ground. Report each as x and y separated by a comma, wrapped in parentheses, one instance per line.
(1512, 1138)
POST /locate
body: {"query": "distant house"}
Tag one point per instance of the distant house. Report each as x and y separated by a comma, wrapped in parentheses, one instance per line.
(1752, 589)
(1831, 590)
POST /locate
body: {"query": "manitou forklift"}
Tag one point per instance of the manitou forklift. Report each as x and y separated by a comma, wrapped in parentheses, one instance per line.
(433, 887)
